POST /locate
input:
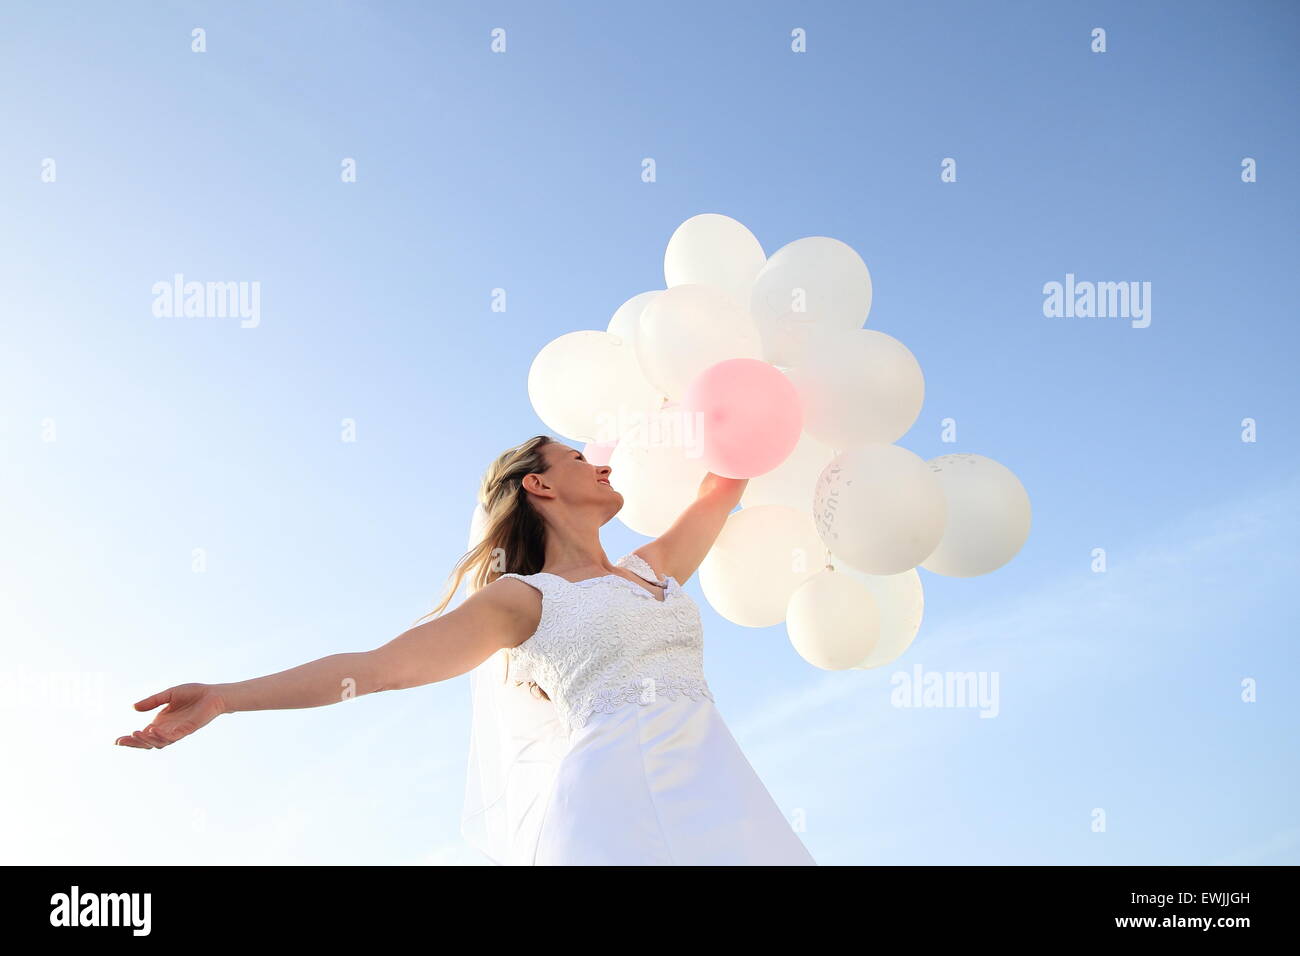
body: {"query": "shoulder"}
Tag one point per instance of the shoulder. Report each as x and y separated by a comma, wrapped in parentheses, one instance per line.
(511, 580)
(653, 555)
(514, 605)
(522, 590)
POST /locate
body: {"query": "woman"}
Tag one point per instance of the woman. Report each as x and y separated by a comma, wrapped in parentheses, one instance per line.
(604, 746)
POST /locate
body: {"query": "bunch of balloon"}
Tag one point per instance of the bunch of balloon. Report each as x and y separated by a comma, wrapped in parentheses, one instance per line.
(759, 367)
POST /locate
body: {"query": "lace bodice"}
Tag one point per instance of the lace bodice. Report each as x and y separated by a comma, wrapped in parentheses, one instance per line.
(606, 642)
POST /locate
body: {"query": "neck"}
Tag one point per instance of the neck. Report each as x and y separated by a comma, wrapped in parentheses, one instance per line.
(573, 544)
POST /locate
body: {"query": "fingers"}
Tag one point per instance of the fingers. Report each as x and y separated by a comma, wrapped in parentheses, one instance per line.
(149, 703)
(147, 739)
(156, 735)
(152, 735)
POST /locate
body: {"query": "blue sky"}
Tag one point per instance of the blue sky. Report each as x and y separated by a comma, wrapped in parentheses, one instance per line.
(1119, 691)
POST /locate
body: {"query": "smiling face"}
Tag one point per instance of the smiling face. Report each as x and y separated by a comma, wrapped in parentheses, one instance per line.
(571, 481)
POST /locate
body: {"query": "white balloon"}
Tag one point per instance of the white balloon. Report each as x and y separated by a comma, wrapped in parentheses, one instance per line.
(901, 601)
(812, 283)
(879, 508)
(584, 385)
(793, 482)
(988, 516)
(833, 621)
(688, 328)
(657, 471)
(758, 560)
(627, 317)
(714, 250)
(857, 387)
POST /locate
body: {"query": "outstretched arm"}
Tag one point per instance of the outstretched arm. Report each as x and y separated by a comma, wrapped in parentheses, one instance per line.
(680, 550)
(447, 646)
(502, 614)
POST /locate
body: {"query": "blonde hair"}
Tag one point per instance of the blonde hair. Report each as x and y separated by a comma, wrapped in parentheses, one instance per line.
(514, 535)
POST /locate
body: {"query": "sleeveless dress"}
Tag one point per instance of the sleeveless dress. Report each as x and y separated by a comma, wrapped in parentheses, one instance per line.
(650, 774)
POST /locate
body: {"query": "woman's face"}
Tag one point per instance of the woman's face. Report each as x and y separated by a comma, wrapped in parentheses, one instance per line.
(574, 481)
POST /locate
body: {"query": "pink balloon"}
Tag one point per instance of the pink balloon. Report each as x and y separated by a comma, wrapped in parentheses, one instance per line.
(598, 452)
(749, 414)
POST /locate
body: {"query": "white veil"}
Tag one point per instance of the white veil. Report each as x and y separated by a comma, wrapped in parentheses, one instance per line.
(515, 745)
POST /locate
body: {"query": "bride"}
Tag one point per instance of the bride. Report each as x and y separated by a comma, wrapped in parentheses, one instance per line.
(595, 740)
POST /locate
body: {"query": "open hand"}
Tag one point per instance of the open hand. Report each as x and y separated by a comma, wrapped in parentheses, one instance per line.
(189, 707)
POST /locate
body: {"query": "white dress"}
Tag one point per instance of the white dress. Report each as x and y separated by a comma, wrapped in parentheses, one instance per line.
(649, 773)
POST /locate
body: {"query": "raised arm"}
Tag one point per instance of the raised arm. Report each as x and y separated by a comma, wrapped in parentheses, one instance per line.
(503, 614)
(680, 550)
